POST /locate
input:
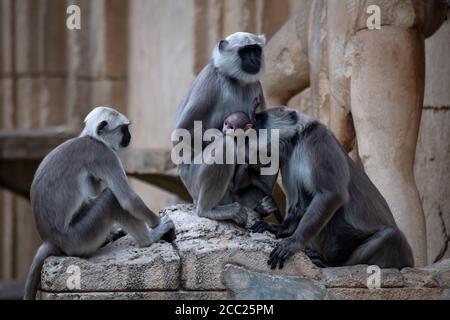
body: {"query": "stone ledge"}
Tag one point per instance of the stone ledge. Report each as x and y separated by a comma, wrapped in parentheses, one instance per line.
(149, 295)
(218, 260)
(389, 294)
(120, 266)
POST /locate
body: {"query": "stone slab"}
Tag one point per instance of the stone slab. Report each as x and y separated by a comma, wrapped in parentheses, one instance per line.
(205, 246)
(248, 285)
(149, 295)
(120, 266)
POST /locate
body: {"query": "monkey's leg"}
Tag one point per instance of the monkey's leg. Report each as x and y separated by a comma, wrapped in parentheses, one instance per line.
(267, 205)
(239, 178)
(386, 248)
(316, 258)
(140, 231)
(283, 230)
(289, 225)
(214, 181)
(115, 234)
(91, 227)
(233, 211)
(261, 226)
(138, 228)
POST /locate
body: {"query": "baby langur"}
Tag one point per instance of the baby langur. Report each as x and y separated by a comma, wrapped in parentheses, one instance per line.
(237, 120)
(246, 175)
(72, 212)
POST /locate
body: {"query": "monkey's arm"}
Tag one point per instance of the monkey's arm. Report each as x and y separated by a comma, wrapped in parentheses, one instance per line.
(200, 101)
(257, 182)
(192, 110)
(108, 168)
(240, 178)
(318, 214)
(330, 176)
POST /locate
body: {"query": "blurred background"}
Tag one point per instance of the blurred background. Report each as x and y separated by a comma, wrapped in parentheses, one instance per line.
(141, 57)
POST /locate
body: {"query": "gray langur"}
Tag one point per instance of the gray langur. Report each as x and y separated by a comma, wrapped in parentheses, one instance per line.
(334, 212)
(247, 175)
(72, 212)
(229, 83)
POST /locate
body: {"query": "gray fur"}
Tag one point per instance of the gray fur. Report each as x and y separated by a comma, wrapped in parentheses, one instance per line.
(213, 96)
(334, 211)
(73, 213)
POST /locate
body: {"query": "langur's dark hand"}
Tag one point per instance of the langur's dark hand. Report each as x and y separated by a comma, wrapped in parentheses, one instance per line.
(283, 250)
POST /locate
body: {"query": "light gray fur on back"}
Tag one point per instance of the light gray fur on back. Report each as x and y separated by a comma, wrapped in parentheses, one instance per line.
(73, 163)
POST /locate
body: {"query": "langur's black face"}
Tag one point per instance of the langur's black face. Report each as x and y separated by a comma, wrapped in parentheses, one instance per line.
(126, 136)
(116, 137)
(251, 58)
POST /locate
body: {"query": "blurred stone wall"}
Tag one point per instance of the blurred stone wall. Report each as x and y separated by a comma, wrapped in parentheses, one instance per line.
(432, 165)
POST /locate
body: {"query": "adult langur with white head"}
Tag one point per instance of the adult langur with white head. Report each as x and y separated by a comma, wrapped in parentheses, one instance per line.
(73, 213)
(228, 84)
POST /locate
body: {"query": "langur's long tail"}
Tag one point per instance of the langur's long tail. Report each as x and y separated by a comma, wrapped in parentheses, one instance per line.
(34, 275)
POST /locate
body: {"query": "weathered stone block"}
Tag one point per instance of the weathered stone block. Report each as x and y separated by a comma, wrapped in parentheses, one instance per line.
(387, 294)
(150, 295)
(441, 272)
(432, 173)
(246, 284)
(419, 278)
(356, 277)
(437, 77)
(120, 266)
(205, 246)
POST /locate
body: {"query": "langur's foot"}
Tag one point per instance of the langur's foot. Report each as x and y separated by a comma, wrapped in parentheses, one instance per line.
(234, 212)
(261, 226)
(286, 231)
(165, 229)
(115, 234)
(266, 206)
(238, 214)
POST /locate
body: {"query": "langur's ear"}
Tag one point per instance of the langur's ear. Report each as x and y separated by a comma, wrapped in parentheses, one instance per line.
(223, 44)
(101, 126)
(262, 40)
